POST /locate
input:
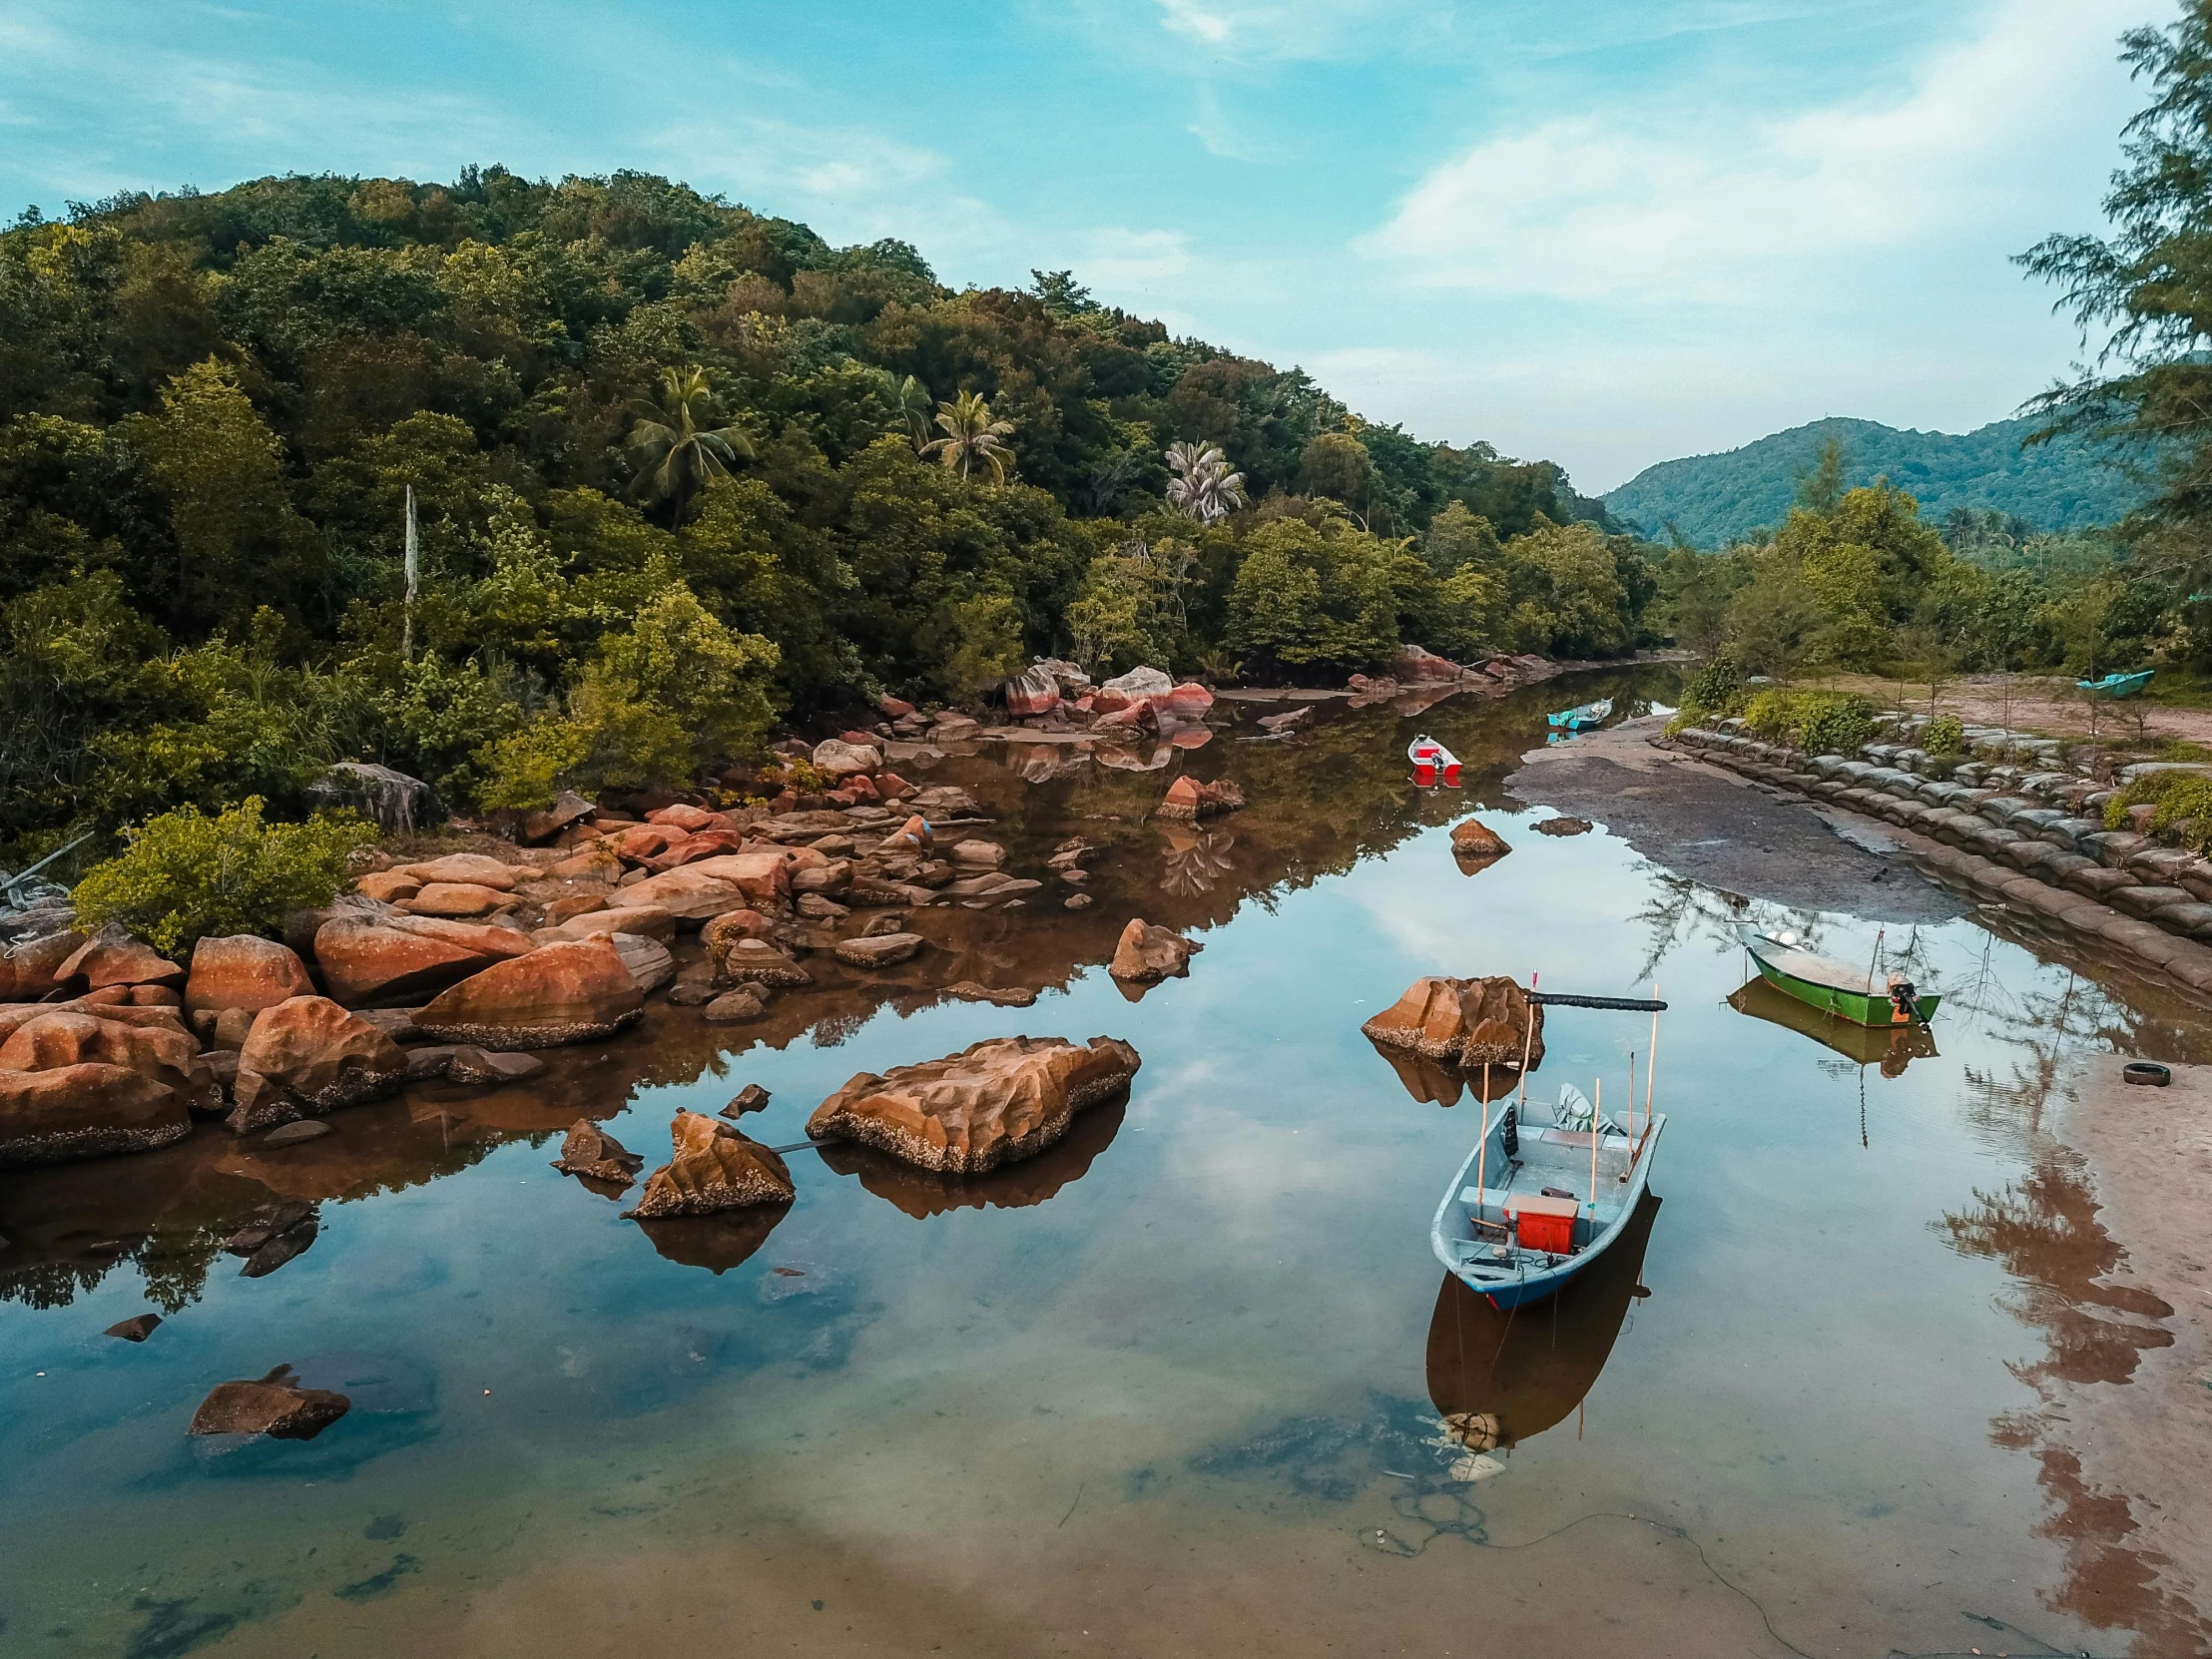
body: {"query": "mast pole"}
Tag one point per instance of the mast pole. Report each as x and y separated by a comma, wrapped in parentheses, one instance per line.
(1528, 1041)
(406, 635)
(1651, 1058)
(1597, 1116)
(1481, 1150)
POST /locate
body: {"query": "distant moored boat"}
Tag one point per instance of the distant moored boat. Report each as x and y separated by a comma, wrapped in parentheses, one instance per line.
(1836, 987)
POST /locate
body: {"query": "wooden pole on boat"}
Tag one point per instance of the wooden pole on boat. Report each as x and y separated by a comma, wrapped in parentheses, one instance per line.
(1631, 1130)
(1528, 1042)
(1482, 1146)
(1651, 1058)
(1597, 1116)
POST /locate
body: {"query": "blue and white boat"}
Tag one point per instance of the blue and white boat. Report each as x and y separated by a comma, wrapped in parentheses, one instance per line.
(1583, 715)
(1535, 1205)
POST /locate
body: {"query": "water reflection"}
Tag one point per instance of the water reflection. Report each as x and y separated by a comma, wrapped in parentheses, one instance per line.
(718, 1242)
(923, 1193)
(1892, 1047)
(1434, 1082)
(1499, 1378)
(1194, 861)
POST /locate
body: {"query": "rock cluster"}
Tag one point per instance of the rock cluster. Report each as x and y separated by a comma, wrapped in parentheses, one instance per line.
(991, 1103)
(1464, 1022)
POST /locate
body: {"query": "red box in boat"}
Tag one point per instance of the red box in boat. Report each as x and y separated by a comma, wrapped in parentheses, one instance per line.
(1545, 1223)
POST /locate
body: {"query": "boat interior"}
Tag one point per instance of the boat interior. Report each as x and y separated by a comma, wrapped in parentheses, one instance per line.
(1521, 1211)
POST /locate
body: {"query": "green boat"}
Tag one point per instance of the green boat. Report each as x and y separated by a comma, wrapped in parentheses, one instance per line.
(1836, 987)
(1891, 1047)
(2115, 684)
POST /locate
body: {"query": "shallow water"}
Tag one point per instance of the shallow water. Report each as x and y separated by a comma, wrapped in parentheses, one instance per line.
(1174, 1386)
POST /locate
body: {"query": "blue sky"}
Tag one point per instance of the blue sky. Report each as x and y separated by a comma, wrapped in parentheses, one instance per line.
(1609, 231)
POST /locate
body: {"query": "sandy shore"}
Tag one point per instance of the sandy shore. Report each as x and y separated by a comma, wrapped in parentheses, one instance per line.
(1727, 832)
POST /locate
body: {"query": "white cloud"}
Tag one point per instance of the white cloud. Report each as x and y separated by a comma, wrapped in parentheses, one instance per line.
(1263, 30)
(1126, 262)
(1668, 208)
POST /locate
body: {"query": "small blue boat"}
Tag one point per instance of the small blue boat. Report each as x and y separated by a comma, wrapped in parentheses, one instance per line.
(2116, 685)
(1583, 715)
(1526, 1212)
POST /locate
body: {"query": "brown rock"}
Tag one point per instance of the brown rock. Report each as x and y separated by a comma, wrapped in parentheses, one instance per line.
(757, 963)
(895, 706)
(890, 787)
(751, 1098)
(732, 925)
(468, 1064)
(878, 950)
(1414, 667)
(387, 887)
(992, 1103)
(85, 1111)
(30, 970)
(230, 1027)
(245, 972)
(475, 869)
(831, 876)
(367, 962)
(568, 808)
(646, 920)
(455, 898)
(651, 963)
(684, 817)
(734, 1007)
(975, 854)
(1010, 996)
(321, 1054)
(1146, 953)
(590, 1150)
(563, 993)
(1472, 839)
(134, 1329)
(563, 911)
(64, 1038)
(714, 1167)
(840, 759)
(1565, 826)
(259, 1102)
(598, 863)
(274, 1405)
(910, 836)
(734, 882)
(113, 957)
(1469, 1022)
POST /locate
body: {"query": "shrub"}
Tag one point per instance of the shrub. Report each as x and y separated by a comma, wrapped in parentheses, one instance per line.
(1716, 688)
(2183, 803)
(185, 875)
(1945, 734)
(1821, 723)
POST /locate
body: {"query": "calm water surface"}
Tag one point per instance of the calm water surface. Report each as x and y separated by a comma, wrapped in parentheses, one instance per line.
(1174, 1386)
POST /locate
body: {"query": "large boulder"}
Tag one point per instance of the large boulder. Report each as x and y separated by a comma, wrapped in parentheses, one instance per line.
(568, 808)
(372, 962)
(114, 957)
(1145, 953)
(463, 899)
(395, 802)
(1034, 690)
(243, 970)
(841, 760)
(1415, 667)
(1139, 684)
(563, 993)
(85, 1111)
(276, 1405)
(878, 950)
(322, 1055)
(714, 1167)
(1469, 1022)
(57, 1038)
(734, 882)
(646, 920)
(31, 968)
(991, 1103)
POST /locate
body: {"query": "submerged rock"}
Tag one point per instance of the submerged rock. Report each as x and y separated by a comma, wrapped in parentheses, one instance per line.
(752, 961)
(589, 1149)
(1146, 953)
(876, 950)
(134, 1329)
(274, 1405)
(1473, 839)
(1565, 826)
(716, 1167)
(991, 1103)
(1469, 1022)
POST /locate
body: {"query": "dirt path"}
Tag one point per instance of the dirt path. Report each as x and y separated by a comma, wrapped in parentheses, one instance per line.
(1726, 832)
(2050, 707)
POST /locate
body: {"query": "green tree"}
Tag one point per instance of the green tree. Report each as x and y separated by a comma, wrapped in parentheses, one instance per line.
(971, 436)
(677, 456)
(1308, 596)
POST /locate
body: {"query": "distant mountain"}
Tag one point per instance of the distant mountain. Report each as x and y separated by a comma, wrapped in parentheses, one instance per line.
(2062, 485)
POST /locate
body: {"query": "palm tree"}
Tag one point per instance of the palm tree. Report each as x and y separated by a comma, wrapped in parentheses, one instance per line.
(677, 457)
(972, 435)
(1203, 485)
(913, 409)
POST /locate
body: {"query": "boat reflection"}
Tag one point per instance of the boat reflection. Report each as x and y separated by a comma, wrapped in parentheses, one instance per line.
(1497, 1377)
(1017, 1186)
(1891, 1048)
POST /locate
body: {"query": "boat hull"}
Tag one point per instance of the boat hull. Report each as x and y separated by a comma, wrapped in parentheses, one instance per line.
(1533, 1284)
(1855, 1006)
(2114, 686)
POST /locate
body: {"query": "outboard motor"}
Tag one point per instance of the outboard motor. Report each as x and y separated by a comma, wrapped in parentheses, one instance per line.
(1903, 999)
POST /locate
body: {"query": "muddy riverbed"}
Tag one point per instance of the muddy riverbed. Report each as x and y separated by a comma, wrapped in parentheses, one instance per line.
(1174, 1386)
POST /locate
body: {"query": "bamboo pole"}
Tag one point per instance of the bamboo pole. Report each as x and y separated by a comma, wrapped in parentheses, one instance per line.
(1630, 1133)
(1481, 1150)
(1528, 1042)
(1597, 1116)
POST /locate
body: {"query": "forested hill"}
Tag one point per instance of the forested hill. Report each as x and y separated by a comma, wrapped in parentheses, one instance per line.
(1714, 499)
(681, 470)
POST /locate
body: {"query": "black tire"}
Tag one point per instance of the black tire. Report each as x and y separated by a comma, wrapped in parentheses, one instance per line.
(2149, 1073)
